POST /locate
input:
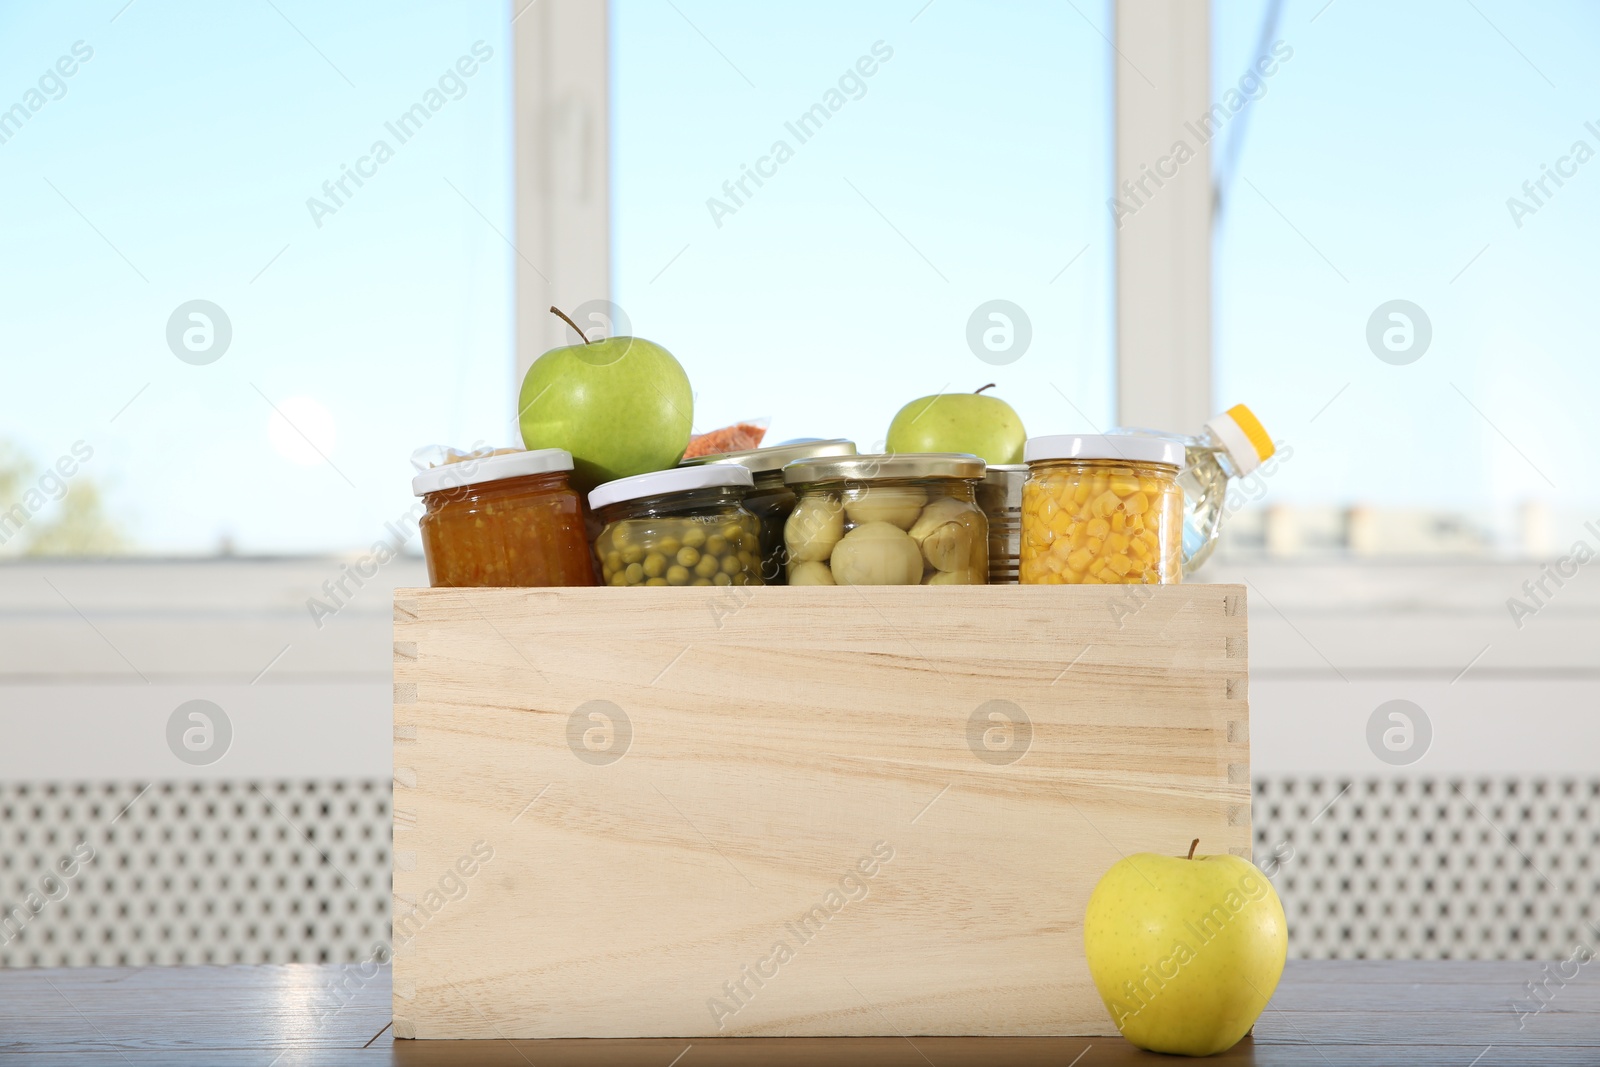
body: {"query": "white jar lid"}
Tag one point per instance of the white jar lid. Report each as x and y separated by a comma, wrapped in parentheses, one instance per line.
(491, 469)
(671, 480)
(1112, 447)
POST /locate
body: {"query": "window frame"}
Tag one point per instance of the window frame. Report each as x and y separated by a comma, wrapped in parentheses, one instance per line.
(561, 122)
(1162, 254)
(1162, 261)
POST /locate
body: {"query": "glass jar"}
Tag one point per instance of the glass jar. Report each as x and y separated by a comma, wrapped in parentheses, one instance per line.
(904, 519)
(1102, 511)
(510, 519)
(771, 500)
(684, 526)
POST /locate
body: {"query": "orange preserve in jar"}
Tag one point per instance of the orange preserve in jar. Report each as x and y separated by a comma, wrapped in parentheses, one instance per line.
(510, 519)
(1102, 510)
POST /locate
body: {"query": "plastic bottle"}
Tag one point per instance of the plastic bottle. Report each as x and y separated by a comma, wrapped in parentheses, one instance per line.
(1232, 445)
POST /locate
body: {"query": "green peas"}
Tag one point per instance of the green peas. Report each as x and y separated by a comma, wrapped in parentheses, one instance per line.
(682, 551)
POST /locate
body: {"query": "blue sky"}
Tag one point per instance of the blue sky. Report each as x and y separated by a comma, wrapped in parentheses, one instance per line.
(191, 142)
(971, 165)
(1391, 142)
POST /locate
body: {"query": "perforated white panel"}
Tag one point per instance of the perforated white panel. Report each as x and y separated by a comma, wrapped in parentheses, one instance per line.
(228, 872)
(218, 872)
(1432, 869)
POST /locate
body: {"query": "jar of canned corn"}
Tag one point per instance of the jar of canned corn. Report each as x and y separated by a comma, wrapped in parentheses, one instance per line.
(1102, 511)
(771, 500)
(907, 519)
(684, 526)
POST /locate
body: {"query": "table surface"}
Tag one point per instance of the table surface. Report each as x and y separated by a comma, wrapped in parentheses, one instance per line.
(1325, 1012)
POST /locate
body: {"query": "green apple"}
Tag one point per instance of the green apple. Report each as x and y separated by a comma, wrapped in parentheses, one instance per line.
(1185, 951)
(979, 425)
(621, 406)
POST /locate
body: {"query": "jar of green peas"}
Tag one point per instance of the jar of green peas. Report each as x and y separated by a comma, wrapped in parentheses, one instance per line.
(683, 526)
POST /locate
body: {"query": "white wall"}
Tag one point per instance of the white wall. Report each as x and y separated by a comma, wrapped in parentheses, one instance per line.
(1330, 642)
(94, 658)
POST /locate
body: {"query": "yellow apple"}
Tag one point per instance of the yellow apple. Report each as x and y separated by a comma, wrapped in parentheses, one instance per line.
(1185, 950)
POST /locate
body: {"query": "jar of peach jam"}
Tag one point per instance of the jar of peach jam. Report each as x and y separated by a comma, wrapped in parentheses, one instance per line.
(509, 519)
(1099, 510)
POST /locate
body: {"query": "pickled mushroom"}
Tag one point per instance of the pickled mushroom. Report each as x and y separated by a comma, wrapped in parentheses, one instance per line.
(899, 505)
(876, 553)
(945, 535)
(814, 527)
(949, 547)
(960, 577)
(945, 509)
(811, 572)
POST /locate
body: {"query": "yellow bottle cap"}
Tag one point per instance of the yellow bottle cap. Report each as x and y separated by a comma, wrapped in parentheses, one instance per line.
(1243, 436)
(1253, 430)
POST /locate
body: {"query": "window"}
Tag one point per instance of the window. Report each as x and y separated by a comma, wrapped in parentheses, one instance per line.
(812, 205)
(329, 182)
(1402, 283)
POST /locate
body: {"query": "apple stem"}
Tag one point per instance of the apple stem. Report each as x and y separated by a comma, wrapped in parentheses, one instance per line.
(562, 315)
(1192, 846)
(975, 392)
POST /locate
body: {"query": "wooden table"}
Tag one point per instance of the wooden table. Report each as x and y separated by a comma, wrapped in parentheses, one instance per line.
(1335, 1013)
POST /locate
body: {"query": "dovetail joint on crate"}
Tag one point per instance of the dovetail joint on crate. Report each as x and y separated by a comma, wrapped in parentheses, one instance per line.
(405, 692)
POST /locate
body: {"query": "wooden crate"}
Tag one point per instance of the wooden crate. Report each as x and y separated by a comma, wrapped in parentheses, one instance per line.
(808, 811)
